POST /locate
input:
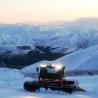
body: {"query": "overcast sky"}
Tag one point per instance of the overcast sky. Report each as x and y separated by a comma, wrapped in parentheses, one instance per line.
(42, 11)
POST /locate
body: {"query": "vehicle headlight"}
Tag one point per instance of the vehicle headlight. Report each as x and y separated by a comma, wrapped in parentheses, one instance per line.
(43, 65)
(58, 67)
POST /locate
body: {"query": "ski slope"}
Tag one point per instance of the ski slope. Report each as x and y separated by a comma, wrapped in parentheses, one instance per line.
(84, 59)
(13, 87)
(20, 93)
(11, 78)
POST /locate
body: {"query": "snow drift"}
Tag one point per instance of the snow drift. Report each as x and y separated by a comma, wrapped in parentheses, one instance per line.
(11, 78)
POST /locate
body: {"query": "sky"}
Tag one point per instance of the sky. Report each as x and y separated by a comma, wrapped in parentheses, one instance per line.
(43, 11)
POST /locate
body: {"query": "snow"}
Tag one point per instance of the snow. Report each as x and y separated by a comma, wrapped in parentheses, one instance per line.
(8, 90)
(19, 93)
(11, 78)
(32, 68)
(90, 63)
(89, 83)
(84, 59)
(75, 35)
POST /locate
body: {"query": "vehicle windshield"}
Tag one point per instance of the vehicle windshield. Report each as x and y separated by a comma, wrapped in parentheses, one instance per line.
(52, 70)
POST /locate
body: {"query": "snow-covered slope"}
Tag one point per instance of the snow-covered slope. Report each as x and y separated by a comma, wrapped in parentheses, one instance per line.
(89, 83)
(32, 68)
(11, 78)
(11, 86)
(84, 59)
(90, 63)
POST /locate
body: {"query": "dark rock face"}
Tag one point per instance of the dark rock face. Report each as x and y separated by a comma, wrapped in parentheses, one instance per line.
(22, 59)
(24, 47)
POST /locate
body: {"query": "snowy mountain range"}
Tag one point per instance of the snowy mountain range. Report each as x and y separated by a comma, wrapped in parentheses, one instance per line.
(64, 37)
(80, 33)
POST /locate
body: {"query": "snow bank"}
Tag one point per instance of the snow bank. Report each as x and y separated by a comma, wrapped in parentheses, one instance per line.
(89, 83)
(11, 78)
